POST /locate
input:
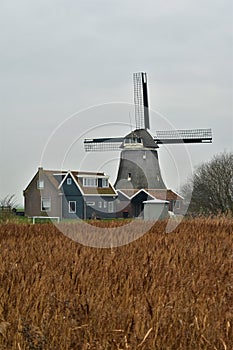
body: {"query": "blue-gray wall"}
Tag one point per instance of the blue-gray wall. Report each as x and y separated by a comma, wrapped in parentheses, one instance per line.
(71, 193)
(87, 208)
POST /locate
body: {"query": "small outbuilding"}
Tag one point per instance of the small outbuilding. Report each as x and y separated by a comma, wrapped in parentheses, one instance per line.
(155, 209)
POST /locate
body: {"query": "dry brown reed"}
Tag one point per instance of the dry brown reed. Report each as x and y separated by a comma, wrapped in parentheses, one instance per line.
(163, 291)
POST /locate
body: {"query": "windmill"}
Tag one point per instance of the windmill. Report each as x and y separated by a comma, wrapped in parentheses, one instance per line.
(139, 164)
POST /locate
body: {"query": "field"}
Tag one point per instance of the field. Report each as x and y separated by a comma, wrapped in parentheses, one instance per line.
(163, 291)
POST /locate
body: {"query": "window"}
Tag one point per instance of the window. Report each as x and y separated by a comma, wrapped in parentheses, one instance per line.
(90, 182)
(110, 207)
(100, 204)
(69, 181)
(40, 184)
(133, 140)
(104, 182)
(72, 207)
(105, 204)
(45, 204)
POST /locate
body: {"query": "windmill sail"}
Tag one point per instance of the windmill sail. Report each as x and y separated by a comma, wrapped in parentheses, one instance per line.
(162, 137)
(103, 144)
(142, 124)
(141, 101)
(183, 136)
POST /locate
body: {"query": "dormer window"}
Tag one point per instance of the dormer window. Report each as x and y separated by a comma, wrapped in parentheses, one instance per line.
(90, 182)
(40, 184)
(105, 183)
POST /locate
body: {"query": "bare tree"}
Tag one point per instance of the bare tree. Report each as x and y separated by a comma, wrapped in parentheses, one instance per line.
(211, 188)
(8, 207)
(8, 202)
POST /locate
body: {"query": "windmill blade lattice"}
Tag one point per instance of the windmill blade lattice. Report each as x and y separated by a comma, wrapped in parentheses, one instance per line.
(141, 101)
(142, 124)
(103, 144)
(183, 136)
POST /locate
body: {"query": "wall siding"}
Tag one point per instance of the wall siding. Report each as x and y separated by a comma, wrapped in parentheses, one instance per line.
(33, 198)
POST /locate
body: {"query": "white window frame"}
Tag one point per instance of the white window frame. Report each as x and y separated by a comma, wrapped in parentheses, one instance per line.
(40, 184)
(110, 207)
(105, 183)
(90, 182)
(100, 204)
(75, 206)
(69, 181)
(91, 204)
(44, 199)
(105, 204)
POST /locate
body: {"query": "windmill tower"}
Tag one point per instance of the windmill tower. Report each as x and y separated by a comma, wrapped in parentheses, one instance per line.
(139, 164)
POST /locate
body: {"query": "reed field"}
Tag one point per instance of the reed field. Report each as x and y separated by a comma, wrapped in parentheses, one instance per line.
(163, 291)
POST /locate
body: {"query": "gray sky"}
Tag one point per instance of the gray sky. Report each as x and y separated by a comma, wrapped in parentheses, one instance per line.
(60, 57)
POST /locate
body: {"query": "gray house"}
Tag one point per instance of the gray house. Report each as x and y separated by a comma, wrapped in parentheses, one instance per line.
(70, 194)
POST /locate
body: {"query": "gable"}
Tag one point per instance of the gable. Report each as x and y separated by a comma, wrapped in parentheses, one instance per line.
(45, 177)
(69, 186)
(141, 196)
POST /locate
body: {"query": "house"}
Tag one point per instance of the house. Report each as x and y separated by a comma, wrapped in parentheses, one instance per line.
(70, 195)
(130, 202)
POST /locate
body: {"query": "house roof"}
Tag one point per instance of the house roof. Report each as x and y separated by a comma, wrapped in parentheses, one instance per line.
(77, 175)
(50, 176)
(93, 190)
(42, 173)
(162, 194)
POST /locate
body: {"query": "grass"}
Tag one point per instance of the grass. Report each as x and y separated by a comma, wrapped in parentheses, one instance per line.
(163, 291)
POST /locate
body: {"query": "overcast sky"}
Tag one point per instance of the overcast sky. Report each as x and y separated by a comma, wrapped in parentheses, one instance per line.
(61, 57)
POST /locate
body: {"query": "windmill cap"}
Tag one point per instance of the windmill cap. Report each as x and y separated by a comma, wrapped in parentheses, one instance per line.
(144, 135)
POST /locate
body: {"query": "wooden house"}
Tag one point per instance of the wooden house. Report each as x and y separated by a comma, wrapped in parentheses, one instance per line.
(70, 194)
